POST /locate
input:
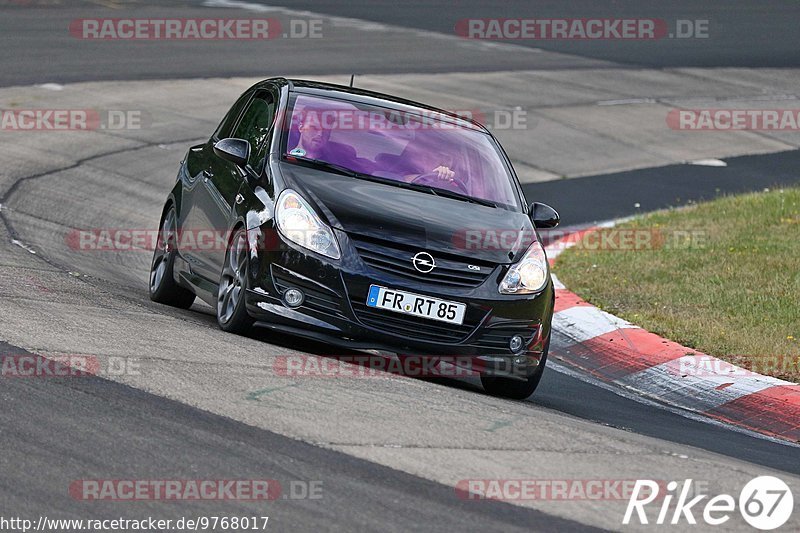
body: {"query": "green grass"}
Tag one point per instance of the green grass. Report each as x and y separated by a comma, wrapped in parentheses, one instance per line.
(731, 291)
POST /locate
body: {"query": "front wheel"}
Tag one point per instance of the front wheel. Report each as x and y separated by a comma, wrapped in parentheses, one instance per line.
(514, 389)
(232, 314)
(163, 288)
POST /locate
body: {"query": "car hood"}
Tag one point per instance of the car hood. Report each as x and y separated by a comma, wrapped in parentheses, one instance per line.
(433, 223)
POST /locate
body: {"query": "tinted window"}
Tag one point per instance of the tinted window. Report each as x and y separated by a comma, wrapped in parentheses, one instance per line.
(226, 126)
(255, 126)
(418, 147)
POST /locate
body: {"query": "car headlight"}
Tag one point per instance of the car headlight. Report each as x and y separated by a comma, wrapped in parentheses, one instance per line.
(529, 275)
(298, 223)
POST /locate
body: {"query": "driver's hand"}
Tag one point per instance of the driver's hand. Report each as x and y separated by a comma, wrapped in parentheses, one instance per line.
(444, 173)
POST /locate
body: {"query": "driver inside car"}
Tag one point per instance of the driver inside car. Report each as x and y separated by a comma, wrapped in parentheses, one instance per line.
(313, 140)
(435, 162)
(426, 157)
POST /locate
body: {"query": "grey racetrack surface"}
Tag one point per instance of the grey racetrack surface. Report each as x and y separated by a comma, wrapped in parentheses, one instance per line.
(208, 405)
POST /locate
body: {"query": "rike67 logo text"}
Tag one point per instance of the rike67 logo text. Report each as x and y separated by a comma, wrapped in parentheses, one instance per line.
(765, 503)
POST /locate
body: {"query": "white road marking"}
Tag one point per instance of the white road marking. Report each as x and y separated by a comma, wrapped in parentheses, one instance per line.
(697, 393)
(627, 101)
(638, 397)
(234, 4)
(709, 163)
(22, 245)
(51, 86)
(583, 323)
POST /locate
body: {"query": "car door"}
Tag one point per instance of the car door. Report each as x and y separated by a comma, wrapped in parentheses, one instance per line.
(193, 220)
(223, 180)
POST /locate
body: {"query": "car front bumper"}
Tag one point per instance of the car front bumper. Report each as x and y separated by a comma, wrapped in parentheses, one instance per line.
(334, 311)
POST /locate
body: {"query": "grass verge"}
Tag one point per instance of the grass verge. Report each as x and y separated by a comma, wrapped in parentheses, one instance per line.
(721, 277)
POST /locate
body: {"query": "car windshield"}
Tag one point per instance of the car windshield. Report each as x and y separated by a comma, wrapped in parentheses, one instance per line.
(436, 153)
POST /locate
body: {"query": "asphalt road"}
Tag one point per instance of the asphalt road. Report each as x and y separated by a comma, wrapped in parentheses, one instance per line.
(104, 428)
(740, 33)
(621, 194)
(208, 405)
(40, 48)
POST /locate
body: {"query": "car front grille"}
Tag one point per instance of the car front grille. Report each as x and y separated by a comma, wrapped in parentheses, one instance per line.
(410, 326)
(396, 259)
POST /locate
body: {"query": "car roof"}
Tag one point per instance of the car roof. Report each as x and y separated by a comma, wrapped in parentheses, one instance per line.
(355, 94)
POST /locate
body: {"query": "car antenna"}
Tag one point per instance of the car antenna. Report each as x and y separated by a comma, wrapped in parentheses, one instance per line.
(352, 77)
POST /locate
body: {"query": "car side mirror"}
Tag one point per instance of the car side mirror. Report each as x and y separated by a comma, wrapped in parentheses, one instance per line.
(237, 151)
(543, 216)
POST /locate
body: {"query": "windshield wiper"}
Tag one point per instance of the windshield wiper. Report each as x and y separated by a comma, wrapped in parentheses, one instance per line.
(461, 196)
(436, 191)
(330, 166)
(400, 184)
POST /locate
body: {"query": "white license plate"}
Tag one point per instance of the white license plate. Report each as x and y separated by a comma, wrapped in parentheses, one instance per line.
(409, 303)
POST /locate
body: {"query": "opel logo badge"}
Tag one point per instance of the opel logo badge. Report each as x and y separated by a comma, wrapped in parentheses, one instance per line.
(423, 262)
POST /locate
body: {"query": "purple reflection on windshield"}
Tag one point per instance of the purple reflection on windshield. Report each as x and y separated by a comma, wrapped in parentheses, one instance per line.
(424, 149)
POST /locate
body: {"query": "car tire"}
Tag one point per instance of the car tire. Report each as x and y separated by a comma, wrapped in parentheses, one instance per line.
(163, 288)
(232, 315)
(514, 389)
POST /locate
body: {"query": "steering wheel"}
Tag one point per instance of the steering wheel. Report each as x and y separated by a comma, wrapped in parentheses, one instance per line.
(433, 179)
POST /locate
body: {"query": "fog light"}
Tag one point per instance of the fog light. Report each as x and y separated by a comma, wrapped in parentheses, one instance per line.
(516, 344)
(293, 297)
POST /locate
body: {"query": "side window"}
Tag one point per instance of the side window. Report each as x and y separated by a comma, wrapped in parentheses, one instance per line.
(255, 127)
(226, 126)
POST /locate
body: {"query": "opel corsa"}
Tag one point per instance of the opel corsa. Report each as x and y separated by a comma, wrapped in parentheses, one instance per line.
(364, 221)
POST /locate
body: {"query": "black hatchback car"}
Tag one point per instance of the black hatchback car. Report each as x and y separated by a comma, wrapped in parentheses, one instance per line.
(364, 221)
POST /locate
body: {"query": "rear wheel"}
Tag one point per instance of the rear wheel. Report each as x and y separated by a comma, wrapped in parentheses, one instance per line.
(232, 314)
(515, 389)
(163, 288)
